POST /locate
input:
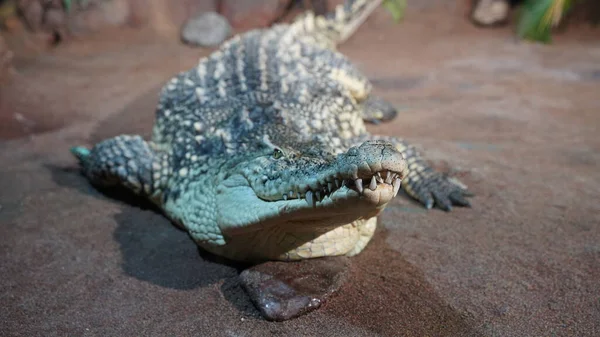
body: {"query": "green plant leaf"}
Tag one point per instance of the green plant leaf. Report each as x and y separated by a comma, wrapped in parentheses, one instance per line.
(67, 4)
(537, 18)
(396, 8)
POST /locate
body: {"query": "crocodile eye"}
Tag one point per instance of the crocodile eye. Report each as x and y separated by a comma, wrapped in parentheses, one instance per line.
(277, 153)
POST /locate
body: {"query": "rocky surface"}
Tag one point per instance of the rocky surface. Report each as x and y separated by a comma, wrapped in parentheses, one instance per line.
(81, 17)
(207, 29)
(92, 16)
(281, 291)
(197, 22)
(517, 122)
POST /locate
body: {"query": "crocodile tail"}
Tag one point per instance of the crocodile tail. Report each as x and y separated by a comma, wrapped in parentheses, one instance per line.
(338, 25)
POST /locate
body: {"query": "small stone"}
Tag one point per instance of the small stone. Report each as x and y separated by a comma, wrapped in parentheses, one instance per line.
(206, 29)
(285, 290)
(489, 13)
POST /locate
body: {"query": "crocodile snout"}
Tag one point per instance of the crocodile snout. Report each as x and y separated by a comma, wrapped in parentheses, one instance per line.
(373, 156)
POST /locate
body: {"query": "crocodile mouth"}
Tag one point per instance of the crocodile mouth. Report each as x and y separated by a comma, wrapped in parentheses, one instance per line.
(379, 180)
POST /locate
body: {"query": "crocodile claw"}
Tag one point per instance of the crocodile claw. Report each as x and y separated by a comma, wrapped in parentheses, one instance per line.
(437, 189)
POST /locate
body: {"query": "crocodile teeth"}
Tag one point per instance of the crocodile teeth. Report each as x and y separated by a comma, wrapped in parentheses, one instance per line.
(330, 187)
(359, 185)
(291, 194)
(337, 183)
(285, 197)
(373, 184)
(396, 184)
(309, 198)
(389, 178)
(379, 178)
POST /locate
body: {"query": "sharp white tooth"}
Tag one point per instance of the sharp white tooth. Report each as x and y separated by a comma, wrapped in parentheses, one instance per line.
(343, 182)
(309, 198)
(359, 186)
(285, 197)
(337, 183)
(389, 178)
(291, 194)
(330, 187)
(379, 178)
(373, 184)
(396, 184)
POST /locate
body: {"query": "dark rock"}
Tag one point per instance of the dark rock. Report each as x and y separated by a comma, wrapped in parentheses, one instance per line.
(206, 29)
(249, 14)
(285, 290)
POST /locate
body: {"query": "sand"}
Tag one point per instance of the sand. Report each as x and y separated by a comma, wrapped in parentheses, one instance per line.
(517, 122)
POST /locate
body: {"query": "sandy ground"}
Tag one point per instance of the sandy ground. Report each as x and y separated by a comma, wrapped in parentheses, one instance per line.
(517, 122)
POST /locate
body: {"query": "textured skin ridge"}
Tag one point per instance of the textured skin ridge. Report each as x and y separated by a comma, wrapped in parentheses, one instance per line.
(334, 27)
(261, 151)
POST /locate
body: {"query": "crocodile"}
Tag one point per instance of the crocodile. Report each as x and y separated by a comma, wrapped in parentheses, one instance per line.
(261, 152)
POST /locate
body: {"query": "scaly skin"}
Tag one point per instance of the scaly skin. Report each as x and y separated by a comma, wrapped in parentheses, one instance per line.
(261, 151)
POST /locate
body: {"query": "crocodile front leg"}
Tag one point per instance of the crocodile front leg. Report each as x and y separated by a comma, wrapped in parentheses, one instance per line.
(126, 161)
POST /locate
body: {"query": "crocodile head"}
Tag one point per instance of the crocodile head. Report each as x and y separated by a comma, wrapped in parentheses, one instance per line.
(303, 187)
